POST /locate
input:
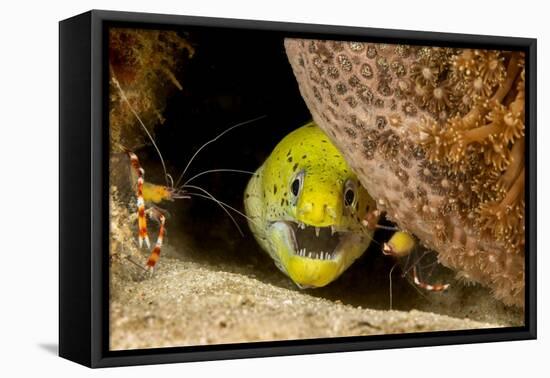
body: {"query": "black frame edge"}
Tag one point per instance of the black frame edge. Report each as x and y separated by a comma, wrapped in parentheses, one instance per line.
(75, 334)
(82, 336)
(531, 192)
(425, 38)
(311, 346)
(100, 192)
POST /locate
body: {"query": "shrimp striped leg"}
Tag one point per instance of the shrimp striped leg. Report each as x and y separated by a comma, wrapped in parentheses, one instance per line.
(155, 254)
(142, 220)
(402, 244)
(426, 286)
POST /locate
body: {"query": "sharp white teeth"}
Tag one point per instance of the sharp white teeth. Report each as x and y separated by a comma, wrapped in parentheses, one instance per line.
(321, 255)
(317, 229)
(332, 230)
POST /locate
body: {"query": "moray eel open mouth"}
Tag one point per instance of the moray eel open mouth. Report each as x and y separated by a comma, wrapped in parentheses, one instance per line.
(316, 243)
(314, 256)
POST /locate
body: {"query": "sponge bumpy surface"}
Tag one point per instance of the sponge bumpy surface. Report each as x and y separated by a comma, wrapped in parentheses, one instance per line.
(436, 135)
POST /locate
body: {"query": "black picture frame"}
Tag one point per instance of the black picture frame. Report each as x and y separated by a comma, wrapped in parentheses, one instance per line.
(84, 205)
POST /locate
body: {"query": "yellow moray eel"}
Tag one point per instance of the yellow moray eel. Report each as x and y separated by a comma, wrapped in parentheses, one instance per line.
(305, 208)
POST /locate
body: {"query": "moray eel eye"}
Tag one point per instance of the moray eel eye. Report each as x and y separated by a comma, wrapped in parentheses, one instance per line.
(349, 193)
(349, 196)
(295, 187)
(297, 183)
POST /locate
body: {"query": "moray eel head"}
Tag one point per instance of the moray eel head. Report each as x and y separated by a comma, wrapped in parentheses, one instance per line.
(309, 207)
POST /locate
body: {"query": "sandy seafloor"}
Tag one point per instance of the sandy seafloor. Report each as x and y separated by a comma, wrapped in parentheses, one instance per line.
(197, 297)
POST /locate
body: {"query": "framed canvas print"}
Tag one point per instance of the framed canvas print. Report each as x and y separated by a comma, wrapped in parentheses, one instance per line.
(233, 188)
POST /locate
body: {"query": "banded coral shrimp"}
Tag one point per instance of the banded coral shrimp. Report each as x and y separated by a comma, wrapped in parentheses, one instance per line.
(418, 264)
(148, 196)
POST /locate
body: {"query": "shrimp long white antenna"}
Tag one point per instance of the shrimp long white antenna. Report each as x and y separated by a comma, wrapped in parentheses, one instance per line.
(388, 228)
(391, 288)
(224, 205)
(415, 262)
(125, 99)
(215, 139)
(218, 170)
(220, 203)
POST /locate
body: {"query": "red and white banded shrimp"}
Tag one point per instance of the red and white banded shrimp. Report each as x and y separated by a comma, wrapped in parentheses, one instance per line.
(150, 195)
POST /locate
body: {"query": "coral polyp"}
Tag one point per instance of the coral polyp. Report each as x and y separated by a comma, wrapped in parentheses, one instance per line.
(493, 130)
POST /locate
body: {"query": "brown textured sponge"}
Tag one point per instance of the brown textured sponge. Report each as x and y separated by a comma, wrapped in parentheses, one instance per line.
(436, 135)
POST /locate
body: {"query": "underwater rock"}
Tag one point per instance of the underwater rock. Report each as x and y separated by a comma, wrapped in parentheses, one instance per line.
(143, 65)
(436, 135)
